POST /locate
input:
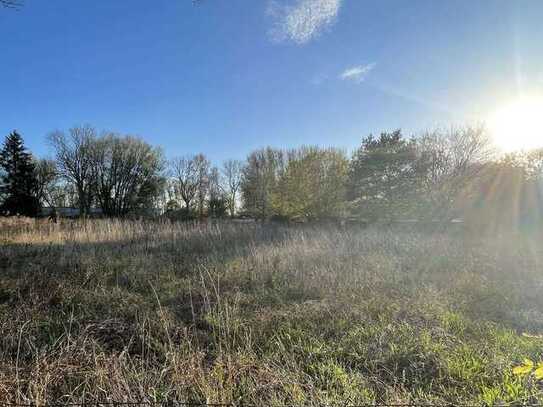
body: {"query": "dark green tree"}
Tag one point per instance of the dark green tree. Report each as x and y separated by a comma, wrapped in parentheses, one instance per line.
(18, 181)
(384, 177)
(217, 207)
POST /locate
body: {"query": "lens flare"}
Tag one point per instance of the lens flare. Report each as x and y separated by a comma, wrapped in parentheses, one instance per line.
(518, 125)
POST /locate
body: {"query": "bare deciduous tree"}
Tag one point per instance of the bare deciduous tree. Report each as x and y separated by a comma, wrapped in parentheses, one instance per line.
(215, 189)
(232, 171)
(186, 177)
(451, 160)
(46, 177)
(75, 161)
(217, 202)
(127, 173)
(191, 174)
(202, 165)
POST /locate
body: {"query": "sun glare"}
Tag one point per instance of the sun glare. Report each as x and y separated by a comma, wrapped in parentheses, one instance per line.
(519, 125)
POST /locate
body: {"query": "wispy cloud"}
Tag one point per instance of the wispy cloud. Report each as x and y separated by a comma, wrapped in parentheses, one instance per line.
(357, 73)
(302, 21)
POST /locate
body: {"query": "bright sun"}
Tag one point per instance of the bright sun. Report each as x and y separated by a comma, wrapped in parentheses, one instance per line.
(519, 125)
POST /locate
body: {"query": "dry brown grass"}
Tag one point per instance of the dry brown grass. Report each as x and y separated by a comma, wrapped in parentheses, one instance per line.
(141, 310)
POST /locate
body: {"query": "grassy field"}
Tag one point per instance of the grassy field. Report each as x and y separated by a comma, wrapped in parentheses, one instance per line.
(266, 314)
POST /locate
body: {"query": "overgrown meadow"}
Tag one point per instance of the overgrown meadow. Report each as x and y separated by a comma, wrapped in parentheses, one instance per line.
(266, 314)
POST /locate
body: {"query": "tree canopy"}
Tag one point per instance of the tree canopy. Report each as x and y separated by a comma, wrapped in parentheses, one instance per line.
(384, 176)
(439, 175)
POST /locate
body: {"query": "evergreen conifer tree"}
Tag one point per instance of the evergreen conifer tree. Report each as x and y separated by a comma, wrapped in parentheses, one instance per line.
(18, 181)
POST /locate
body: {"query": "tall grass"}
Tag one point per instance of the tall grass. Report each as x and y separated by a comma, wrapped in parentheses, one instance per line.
(265, 314)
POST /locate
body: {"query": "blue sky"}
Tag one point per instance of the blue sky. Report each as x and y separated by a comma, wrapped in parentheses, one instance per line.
(227, 76)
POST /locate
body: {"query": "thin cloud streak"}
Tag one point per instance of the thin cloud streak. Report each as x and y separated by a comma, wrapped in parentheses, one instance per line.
(357, 73)
(303, 21)
(426, 102)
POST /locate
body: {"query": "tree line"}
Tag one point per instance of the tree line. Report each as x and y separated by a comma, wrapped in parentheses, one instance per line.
(439, 175)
